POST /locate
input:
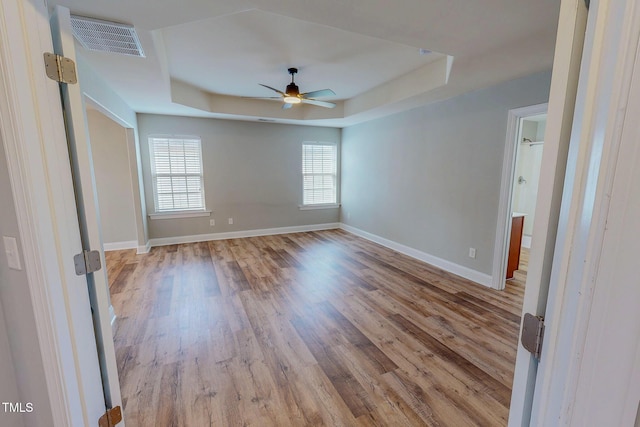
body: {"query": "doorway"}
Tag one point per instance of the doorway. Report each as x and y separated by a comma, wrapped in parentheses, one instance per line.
(529, 146)
(114, 181)
(519, 189)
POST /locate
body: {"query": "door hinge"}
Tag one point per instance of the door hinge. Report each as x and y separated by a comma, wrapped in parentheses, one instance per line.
(87, 262)
(60, 69)
(533, 334)
(587, 3)
(110, 418)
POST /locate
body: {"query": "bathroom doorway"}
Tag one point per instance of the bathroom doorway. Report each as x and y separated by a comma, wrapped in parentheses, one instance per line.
(528, 162)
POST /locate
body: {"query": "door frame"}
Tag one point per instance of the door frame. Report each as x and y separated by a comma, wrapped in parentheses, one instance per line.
(88, 215)
(568, 57)
(40, 176)
(612, 47)
(505, 206)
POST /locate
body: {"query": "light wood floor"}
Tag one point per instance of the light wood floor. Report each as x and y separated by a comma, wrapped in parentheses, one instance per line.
(520, 275)
(308, 329)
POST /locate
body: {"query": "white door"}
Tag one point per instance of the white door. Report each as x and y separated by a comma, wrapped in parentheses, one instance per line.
(588, 373)
(88, 212)
(562, 102)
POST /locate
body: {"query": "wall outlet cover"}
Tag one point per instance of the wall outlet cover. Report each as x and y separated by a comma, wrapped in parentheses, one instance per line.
(11, 250)
(230, 221)
(472, 252)
(212, 222)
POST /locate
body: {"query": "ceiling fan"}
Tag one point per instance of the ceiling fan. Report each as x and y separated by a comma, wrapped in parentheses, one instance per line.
(292, 94)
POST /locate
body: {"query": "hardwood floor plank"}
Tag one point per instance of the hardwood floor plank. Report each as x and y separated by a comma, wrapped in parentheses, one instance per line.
(307, 329)
(497, 389)
(351, 392)
(163, 297)
(124, 274)
(504, 314)
(353, 335)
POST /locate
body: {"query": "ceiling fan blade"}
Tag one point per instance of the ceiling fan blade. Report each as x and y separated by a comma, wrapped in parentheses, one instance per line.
(286, 106)
(318, 93)
(273, 89)
(279, 98)
(318, 103)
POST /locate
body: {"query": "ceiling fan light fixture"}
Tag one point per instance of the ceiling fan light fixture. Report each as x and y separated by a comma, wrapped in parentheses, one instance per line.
(292, 95)
(292, 99)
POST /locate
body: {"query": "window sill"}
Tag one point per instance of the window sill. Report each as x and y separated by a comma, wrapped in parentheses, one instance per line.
(314, 207)
(179, 214)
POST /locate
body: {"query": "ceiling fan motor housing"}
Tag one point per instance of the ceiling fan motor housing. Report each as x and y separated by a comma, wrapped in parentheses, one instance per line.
(292, 90)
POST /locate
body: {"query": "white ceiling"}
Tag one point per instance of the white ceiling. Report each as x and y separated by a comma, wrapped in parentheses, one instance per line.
(203, 56)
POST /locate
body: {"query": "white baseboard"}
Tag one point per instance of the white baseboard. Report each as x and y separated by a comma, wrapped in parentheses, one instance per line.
(473, 275)
(117, 246)
(144, 249)
(112, 314)
(239, 234)
(526, 241)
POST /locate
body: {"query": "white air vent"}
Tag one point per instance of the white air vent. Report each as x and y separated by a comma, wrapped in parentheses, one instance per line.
(105, 36)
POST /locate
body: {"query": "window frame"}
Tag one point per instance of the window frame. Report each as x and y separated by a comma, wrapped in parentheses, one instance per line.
(336, 203)
(175, 213)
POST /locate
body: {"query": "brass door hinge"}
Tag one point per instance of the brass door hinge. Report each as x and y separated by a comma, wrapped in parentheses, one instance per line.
(110, 418)
(60, 69)
(533, 334)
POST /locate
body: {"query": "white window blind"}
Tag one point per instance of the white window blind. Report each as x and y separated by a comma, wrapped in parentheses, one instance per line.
(176, 169)
(319, 174)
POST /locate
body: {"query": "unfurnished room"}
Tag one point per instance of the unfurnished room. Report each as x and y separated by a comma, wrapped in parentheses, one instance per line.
(285, 213)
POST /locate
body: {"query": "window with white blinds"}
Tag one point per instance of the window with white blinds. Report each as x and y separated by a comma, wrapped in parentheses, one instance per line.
(176, 169)
(319, 174)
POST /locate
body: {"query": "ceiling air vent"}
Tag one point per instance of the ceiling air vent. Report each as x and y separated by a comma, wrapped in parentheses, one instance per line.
(105, 36)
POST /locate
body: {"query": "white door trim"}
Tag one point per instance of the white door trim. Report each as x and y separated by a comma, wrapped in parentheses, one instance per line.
(34, 139)
(612, 39)
(560, 115)
(503, 229)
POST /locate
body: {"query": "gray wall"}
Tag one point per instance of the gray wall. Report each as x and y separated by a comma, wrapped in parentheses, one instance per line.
(8, 385)
(252, 173)
(19, 320)
(113, 178)
(429, 178)
(100, 95)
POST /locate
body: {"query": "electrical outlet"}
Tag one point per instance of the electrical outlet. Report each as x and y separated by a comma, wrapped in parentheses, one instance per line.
(230, 221)
(212, 222)
(472, 252)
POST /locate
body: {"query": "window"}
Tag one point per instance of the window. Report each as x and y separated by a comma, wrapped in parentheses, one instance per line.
(176, 171)
(319, 174)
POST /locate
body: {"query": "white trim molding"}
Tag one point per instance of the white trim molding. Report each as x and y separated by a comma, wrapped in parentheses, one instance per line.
(448, 266)
(163, 241)
(144, 249)
(587, 324)
(117, 246)
(314, 207)
(178, 214)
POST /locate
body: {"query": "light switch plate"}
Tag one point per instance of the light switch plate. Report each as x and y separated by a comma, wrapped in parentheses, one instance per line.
(11, 249)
